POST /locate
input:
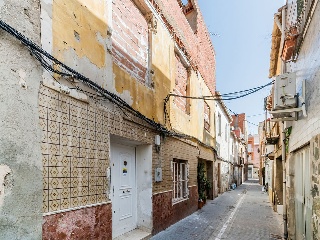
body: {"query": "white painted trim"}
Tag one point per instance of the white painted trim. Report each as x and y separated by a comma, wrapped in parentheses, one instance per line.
(76, 208)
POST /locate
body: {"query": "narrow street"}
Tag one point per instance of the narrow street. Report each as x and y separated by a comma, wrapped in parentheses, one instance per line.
(244, 213)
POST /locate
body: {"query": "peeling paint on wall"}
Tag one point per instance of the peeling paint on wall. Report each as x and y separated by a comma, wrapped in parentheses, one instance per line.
(5, 171)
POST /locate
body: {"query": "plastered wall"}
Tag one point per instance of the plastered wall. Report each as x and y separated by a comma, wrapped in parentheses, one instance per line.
(20, 159)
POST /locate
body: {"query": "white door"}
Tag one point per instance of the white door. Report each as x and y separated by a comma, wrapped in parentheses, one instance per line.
(123, 189)
(303, 198)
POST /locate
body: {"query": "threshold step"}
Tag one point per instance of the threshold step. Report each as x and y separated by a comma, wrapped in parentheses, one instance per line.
(135, 234)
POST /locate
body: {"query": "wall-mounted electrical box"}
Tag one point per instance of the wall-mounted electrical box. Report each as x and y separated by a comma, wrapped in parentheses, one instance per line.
(158, 175)
(285, 96)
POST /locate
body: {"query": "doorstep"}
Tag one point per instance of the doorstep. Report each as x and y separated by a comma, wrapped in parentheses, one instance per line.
(135, 234)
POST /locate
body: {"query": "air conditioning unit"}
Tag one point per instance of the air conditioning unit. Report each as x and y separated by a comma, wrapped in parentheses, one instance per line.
(285, 95)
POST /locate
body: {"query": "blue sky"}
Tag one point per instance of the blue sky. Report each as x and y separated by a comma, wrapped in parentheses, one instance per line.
(241, 35)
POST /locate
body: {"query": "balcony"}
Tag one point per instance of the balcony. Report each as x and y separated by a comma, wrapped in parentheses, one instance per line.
(272, 139)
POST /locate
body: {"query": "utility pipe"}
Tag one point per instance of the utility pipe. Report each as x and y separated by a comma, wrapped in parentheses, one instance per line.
(283, 70)
(283, 137)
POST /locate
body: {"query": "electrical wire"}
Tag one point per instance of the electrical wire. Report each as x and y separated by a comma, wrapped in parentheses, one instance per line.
(51, 64)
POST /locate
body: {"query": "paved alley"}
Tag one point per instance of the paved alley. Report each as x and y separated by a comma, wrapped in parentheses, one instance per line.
(244, 213)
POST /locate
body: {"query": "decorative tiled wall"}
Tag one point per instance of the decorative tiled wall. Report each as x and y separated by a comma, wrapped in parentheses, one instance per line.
(74, 152)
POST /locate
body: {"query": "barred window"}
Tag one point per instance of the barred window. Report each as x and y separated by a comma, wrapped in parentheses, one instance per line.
(180, 180)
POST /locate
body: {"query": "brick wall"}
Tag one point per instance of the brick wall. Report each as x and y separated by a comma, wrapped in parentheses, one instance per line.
(202, 55)
(166, 214)
(181, 84)
(130, 39)
(173, 148)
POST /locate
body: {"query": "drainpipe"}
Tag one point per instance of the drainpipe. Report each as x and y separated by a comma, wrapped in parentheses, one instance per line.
(283, 70)
(285, 228)
(282, 27)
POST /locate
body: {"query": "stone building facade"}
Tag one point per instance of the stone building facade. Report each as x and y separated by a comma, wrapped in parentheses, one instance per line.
(92, 145)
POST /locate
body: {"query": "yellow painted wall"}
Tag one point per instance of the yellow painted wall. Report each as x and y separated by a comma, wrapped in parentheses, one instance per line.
(88, 19)
(149, 101)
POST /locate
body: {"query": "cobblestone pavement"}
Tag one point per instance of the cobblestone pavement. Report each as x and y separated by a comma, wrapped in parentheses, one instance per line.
(241, 214)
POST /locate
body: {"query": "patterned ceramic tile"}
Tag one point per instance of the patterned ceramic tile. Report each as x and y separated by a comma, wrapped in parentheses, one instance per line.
(84, 182)
(53, 115)
(65, 193)
(53, 126)
(83, 132)
(74, 121)
(45, 206)
(66, 151)
(44, 136)
(100, 190)
(45, 160)
(75, 182)
(54, 149)
(65, 172)
(73, 171)
(74, 202)
(53, 104)
(45, 183)
(84, 200)
(64, 129)
(64, 107)
(54, 183)
(54, 205)
(92, 183)
(75, 111)
(43, 112)
(65, 162)
(45, 172)
(64, 118)
(43, 123)
(99, 182)
(83, 142)
(92, 199)
(53, 138)
(91, 134)
(84, 191)
(101, 198)
(74, 131)
(74, 142)
(83, 152)
(75, 151)
(43, 100)
(45, 194)
(74, 192)
(65, 203)
(66, 183)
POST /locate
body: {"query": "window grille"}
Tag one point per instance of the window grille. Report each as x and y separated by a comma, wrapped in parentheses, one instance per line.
(180, 174)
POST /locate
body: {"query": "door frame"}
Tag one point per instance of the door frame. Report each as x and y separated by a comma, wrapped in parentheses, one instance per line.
(143, 179)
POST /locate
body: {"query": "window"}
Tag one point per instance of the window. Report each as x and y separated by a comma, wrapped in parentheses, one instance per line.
(180, 180)
(219, 124)
(226, 132)
(206, 116)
